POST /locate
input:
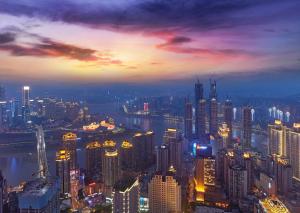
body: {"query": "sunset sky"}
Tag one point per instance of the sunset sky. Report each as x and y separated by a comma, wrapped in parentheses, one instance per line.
(146, 40)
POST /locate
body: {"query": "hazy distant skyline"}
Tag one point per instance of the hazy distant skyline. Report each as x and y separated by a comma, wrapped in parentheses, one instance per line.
(91, 41)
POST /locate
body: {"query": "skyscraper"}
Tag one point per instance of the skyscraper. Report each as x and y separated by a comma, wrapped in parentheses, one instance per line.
(283, 175)
(111, 167)
(162, 159)
(213, 116)
(237, 179)
(213, 89)
(2, 191)
(293, 141)
(204, 173)
(143, 149)
(164, 194)
(2, 93)
(201, 118)
(277, 139)
(188, 120)
(25, 96)
(198, 97)
(173, 139)
(63, 170)
(247, 128)
(224, 136)
(126, 155)
(228, 116)
(126, 195)
(94, 154)
(69, 144)
(41, 152)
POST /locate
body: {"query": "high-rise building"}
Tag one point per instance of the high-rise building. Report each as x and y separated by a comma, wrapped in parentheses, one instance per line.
(228, 116)
(164, 194)
(143, 149)
(224, 132)
(247, 128)
(293, 142)
(126, 195)
(162, 159)
(248, 163)
(126, 155)
(283, 175)
(26, 96)
(40, 195)
(188, 120)
(204, 174)
(63, 170)
(69, 144)
(111, 167)
(201, 118)
(213, 89)
(237, 180)
(213, 109)
(2, 191)
(94, 154)
(173, 139)
(2, 93)
(213, 116)
(41, 153)
(198, 97)
(277, 139)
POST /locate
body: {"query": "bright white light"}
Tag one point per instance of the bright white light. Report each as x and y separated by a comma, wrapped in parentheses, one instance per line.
(26, 88)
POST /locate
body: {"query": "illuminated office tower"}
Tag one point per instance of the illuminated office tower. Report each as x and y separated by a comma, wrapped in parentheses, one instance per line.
(277, 139)
(94, 154)
(162, 159)
(173, 139)
(198, 97)
(224, 132)
(201, 118)
(164, 194)
(126, 155)
(111, 167)
(25, 96)
(69, 144)
(143, 149)
(228, 116)
(283, 175)
(204, 175)
(237, 180)
(63, 170)
(293, 140)
(188, 120)
(126, 195)
(247, 128)
(40, 195)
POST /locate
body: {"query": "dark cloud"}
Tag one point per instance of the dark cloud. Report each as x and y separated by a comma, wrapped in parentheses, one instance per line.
(175, 44)
(45, 47)
(177, 40)
(7, 37)
(152, 14)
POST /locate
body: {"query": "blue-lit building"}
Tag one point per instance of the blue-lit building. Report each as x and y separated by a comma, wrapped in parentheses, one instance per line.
(40, 195)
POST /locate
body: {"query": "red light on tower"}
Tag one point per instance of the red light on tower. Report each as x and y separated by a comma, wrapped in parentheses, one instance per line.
(146, 107)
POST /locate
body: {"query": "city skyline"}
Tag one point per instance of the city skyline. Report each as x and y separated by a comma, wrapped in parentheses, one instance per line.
(148, 41)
